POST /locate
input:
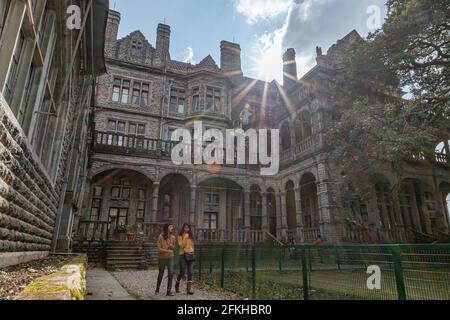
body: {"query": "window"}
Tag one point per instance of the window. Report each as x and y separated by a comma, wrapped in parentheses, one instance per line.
(116, 90)
(430, 204)
(117, 127)
(406, 208)
(132, 128)
(144, 95)
(98, 191)
(212, 200)
(12, 75)
(95, 209)
(118, 216)
(115, 192)
(125, 91)
(4, 8)
(140, 94)
(385, 206)
(140, 213)
(196, 99)
(141, 129)
(121, 90)
(177, 101)
(213, 100)
(210, 221)
(126, 193)
(141, 194)
(136, 48)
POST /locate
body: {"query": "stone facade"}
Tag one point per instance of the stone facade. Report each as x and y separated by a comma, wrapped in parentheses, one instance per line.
(132, 180)
(44, 117)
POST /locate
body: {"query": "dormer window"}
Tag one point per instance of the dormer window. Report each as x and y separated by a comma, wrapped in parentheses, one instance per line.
(136, 48)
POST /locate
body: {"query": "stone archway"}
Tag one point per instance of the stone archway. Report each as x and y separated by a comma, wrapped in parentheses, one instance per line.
(220, 210)
(309, 201)
(174, 199)
(120, 198)
(291, 213)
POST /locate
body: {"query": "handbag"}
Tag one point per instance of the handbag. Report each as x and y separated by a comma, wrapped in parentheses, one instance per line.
(189, 257)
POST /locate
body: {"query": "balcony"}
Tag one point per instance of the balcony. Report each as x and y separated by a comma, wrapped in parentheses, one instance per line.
(122, 144)
(132, 145)
(304, 148)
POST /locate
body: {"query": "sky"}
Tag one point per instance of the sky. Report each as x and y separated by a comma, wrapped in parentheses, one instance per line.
(263, 28)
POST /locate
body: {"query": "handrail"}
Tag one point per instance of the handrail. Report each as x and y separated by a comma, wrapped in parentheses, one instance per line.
(274, 238)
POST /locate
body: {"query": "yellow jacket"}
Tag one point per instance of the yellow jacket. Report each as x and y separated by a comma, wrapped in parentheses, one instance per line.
(166, 247)
(186, 244)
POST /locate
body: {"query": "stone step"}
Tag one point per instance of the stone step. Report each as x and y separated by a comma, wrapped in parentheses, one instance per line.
(120, 259)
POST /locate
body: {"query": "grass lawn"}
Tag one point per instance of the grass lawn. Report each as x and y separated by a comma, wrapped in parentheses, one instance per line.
(334, 285)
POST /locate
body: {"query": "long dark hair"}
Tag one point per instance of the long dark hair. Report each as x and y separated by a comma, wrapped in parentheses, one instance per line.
(190, 230)
(166, 231)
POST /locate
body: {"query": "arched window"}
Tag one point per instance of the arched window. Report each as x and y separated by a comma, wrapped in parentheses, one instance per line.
(285, 137)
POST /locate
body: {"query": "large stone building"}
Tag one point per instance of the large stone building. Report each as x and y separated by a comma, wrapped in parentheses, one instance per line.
(47, 81)
(132, 181)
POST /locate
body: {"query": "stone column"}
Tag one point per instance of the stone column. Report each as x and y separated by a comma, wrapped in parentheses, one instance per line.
(299, 215)
(265, 217)
(278, 214)
(283, 209)
(247, 214)
(155, 198)
(193, 206)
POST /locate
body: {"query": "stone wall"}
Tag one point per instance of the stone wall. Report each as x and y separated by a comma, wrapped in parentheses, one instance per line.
(28, 201)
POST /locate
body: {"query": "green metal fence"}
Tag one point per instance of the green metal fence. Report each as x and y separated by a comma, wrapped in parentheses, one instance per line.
(331, 272)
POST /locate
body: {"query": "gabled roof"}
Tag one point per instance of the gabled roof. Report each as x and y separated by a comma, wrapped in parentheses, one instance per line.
(208, 63)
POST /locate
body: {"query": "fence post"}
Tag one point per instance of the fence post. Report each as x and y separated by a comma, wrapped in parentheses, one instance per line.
(254, 272)
(338, 259)
(305, 275)
(200, 263)
(398, 269)
(246, 258)
(222, 269)
(280, 256)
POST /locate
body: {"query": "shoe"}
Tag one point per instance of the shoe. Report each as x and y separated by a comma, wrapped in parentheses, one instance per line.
(177, 287)
(189, 288)
(170, 294)
(157, 291)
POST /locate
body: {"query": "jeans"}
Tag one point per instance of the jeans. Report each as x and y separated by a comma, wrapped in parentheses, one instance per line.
(162, 266)
(183, 266)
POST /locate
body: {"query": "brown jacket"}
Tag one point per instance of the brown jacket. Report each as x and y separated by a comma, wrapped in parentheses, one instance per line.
(166, 247)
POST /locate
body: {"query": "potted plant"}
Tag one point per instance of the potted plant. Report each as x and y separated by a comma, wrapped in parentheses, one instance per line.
(131, 235)
(121, 231)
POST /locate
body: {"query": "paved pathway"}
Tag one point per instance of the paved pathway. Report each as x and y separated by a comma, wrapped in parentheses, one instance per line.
(143, 283)
(101, 285)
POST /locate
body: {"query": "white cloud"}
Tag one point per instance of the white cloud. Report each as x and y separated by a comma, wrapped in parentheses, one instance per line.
(255, 10)
(307, 24)
(189, 55)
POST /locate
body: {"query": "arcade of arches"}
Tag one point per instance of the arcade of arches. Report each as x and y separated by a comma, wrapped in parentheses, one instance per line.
(222, 210)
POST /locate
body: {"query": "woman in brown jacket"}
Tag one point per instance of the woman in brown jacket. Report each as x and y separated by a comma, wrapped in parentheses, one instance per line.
(166, 246)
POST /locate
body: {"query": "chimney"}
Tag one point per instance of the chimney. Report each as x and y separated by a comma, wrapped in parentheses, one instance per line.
(230, 58)
(112, 29)
(289, 68)
(163, 42)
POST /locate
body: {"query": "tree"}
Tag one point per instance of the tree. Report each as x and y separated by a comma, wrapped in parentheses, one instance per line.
(375, 122)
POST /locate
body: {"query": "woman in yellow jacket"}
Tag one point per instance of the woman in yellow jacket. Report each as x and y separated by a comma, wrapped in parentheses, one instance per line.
(186, 244)
(166, 245)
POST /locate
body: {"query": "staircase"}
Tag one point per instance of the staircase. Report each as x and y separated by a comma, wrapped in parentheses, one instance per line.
(125, 256)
